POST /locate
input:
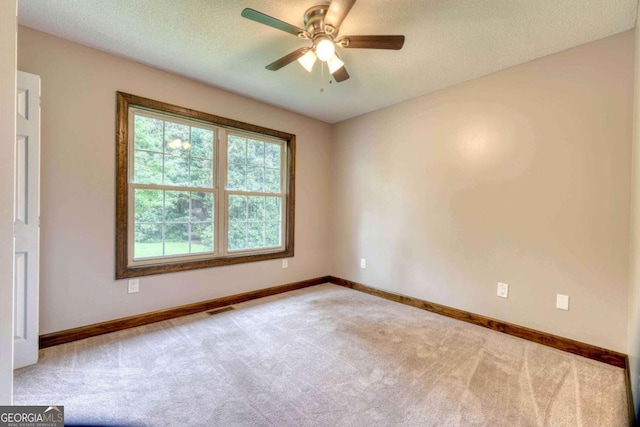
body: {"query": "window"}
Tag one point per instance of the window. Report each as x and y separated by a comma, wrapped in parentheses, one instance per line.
(196, 190)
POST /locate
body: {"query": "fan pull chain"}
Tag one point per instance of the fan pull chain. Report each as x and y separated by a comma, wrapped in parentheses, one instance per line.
(322, 77)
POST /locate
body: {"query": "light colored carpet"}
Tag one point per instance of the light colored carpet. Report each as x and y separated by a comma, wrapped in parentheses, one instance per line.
(321, 356)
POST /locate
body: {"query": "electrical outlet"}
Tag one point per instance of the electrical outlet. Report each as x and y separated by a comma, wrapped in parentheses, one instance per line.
(562, 302)
(134, 286)
(363, 263)
(285, 262)
(503, 290)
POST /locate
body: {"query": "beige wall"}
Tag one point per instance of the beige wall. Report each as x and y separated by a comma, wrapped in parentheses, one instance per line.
(522, 177)
(78, 186)
(8, 24)
(633, 349)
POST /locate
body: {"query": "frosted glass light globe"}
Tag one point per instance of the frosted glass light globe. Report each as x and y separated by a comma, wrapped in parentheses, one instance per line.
(307, 60)
(325, 49)
(334, 64)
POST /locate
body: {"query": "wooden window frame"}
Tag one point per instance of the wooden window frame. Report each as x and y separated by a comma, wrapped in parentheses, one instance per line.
(123, 269)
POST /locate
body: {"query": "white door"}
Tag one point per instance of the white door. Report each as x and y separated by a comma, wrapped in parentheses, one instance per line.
(27, 221)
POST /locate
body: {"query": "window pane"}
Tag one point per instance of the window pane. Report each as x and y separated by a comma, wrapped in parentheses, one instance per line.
(256, 208)
(147, 167)
(176, 206)
(176, 170)
(201, 207)
(237, 208)
(237, 149)
(176, 239)
(176, 139)
(148, 241)
(272, 155)
(202, 173)
(255, 179)
(255, 153)
(237, 235)
(148, 207)
(255, 235)
(236, 176)
(272, 234)
(201, 238)
(148, 134)
(271, 181)
(273, 209)
(201, 143)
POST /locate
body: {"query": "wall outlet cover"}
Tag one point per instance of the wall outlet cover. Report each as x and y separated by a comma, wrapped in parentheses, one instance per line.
(562, 302)
(503, 290)
(285, 262)
(134, 286)
(363, 263)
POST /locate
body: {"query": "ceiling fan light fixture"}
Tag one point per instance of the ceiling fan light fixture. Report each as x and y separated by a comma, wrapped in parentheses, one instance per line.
(325, 49)
(334, 64)
(322, 26)
(308, 59)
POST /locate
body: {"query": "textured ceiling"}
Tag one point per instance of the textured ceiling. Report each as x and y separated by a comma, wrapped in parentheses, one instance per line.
(447, 42)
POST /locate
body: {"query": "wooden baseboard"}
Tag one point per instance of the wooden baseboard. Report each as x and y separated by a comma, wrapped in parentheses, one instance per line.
(576, 347)
(69, 335)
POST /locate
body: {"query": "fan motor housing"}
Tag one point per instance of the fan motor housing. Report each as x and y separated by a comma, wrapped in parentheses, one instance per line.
(314, 19)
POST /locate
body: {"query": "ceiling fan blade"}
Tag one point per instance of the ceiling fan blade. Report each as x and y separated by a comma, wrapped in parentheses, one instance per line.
(287, 59)
(338, 10)
(260, 17)
(372, 42)
(341, 75)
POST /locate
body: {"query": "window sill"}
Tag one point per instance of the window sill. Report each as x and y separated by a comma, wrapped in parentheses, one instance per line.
(149, 270)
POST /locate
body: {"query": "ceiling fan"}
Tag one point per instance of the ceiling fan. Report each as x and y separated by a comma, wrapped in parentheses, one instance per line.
(322, 24)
